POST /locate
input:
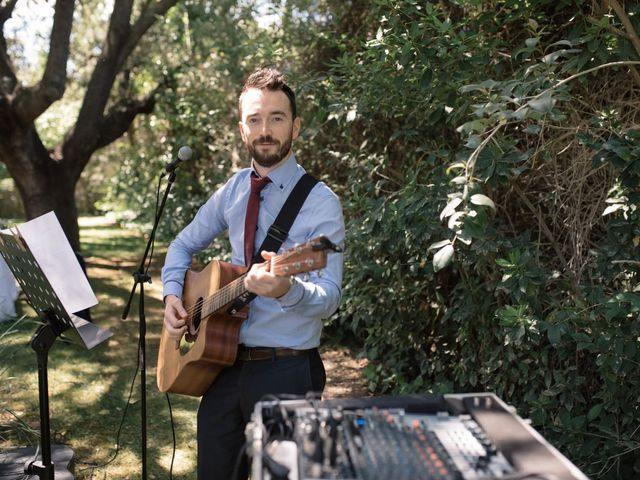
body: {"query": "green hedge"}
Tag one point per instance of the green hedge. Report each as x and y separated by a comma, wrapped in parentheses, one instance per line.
(493, 162)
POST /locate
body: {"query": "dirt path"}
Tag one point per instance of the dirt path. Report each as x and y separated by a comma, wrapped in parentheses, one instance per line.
(345, 377)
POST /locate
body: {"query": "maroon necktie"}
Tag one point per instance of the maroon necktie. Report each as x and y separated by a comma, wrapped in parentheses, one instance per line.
(251, 220)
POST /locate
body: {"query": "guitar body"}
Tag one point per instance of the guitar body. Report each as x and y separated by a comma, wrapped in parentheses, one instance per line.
(215, 337)
(214, 333)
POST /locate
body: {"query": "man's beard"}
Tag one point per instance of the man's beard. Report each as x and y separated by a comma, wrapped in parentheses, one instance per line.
(267, 160)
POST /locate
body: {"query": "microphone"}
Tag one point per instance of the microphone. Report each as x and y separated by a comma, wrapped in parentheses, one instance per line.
(184, 154)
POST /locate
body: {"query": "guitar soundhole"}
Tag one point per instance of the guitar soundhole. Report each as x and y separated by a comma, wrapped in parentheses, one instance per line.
(192, 333)
(197, 315)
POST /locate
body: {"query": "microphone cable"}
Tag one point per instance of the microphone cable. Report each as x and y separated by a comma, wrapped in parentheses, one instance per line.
(91, 466)
(173, 436)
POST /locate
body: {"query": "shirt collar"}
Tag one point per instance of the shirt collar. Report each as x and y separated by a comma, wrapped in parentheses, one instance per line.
(284, 174)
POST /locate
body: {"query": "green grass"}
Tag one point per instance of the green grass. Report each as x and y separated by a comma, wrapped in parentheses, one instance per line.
(88, 390)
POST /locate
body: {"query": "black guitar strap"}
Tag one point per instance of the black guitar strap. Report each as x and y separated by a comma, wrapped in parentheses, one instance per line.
(279, 230)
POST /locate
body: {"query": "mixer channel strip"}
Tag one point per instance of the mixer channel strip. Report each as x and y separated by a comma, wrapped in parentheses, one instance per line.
(375, 444)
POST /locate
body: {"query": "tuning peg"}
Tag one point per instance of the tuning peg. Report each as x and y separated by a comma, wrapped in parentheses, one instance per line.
(323, 243)
(305, 277)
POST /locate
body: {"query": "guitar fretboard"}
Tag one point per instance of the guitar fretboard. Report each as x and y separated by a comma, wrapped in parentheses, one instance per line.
(224, 296)
(304, 258)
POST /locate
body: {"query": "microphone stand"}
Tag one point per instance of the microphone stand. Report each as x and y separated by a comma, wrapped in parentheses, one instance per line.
(141, 277)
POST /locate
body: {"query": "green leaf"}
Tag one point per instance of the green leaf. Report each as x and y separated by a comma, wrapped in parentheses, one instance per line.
(480, 199)
(554, 333)
(473, 142)
(504, 263)
(543, 104)
(565, 43)
(459, 180)
(532, 42)
(478, 125)
(581, 337)
(439, 244)
(443, 257)
(450, 208)
(612, 208)
(426, 78)
(487, 85)
(454, 220)
(553, 56)
(594, 412)
(464, 237)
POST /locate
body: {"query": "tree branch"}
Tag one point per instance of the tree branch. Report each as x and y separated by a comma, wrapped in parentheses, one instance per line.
(543, 225)
(6, 68)
(632, 35)
(496, 128)
(122, 38)
(54, 78)
(616, 31)
(80, 142)
(147, 18)
(120, 117)
(6, 11)
(31, 102)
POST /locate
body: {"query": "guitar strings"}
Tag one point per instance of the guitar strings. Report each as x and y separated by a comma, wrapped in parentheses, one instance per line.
(223, 291)
(228, 288)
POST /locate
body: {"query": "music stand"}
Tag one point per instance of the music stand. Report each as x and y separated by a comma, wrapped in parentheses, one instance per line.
(55, 320)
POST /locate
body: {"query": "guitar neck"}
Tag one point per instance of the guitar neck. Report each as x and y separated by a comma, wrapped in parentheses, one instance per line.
(301, 259)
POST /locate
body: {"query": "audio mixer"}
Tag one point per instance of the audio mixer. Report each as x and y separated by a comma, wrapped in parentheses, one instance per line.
(385, 444)
(430, 437)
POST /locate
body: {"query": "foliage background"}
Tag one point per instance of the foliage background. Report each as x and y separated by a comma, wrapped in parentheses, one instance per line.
(487, 154)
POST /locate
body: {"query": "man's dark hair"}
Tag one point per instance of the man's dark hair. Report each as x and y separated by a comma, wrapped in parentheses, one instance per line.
(269, 79)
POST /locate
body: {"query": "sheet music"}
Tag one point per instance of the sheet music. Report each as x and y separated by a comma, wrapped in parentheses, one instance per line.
(51, 249)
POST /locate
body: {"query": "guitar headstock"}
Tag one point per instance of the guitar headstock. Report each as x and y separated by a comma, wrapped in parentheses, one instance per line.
(309, 256)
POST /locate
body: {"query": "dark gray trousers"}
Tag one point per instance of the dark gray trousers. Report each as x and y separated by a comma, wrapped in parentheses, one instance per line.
(226, 407)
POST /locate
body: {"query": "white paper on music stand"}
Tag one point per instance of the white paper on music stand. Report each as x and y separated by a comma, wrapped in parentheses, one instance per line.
(51, 249)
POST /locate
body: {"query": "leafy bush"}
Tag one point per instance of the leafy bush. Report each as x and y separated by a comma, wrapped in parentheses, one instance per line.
(491, 246)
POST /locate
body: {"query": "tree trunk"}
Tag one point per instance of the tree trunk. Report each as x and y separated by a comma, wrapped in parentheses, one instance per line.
(44, 184)
(46, 180)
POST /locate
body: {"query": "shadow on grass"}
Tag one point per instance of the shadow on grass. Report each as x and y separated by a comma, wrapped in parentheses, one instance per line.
(88, 389)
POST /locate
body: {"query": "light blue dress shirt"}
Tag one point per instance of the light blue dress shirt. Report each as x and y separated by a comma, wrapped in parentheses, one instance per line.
(295, 319)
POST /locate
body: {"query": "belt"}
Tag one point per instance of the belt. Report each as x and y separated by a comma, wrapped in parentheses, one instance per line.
(247, 354)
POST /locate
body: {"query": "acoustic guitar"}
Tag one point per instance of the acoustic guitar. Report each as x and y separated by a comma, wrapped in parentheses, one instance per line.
(211, 299)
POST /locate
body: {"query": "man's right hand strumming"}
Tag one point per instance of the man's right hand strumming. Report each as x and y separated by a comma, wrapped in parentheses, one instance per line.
(175, 317)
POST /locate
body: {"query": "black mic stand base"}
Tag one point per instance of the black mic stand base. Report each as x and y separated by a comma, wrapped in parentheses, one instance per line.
(44, 468)
(14, 463)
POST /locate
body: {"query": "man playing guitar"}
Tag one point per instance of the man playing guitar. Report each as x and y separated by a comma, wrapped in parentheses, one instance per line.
(278, 341)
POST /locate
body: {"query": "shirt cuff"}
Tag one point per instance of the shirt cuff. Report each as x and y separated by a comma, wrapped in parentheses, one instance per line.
(293, 296)
(172, 287)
